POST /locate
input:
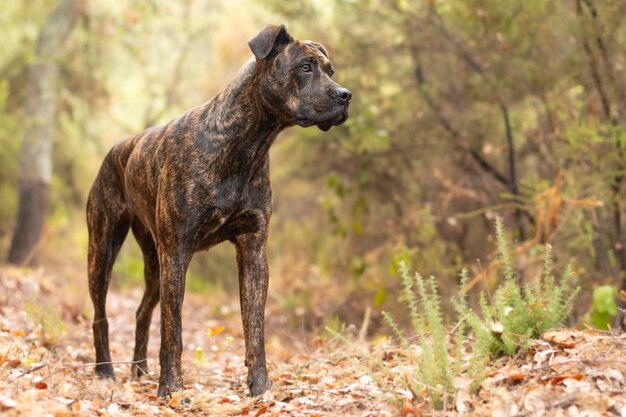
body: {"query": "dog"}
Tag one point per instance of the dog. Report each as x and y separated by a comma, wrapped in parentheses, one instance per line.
(199, 180)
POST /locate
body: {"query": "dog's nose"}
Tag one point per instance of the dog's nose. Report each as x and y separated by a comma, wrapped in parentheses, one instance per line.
(343, 94)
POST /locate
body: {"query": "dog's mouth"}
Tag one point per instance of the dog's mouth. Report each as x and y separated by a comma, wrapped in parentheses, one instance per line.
(325, 126)
(325, 121)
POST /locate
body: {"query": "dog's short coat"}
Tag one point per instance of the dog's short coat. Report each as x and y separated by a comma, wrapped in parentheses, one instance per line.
(199, 180)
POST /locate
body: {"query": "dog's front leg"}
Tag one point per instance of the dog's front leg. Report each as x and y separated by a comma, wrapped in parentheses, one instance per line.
(253, 280)
(173, 267)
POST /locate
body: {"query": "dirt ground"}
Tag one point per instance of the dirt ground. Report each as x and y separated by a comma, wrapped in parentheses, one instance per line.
(53, 373)
(46, 367)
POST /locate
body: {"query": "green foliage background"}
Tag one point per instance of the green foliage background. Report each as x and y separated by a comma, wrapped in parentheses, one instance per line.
(419, 171)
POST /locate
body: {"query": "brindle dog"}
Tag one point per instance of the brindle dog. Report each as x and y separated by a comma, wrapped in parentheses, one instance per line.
(201, 179)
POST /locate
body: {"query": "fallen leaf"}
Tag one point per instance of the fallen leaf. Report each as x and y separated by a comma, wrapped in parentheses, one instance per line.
(59, 410)
(14, 363)
(517, 377)
(603, 385)
(7, 402)
(366, 379)
(576, 384)
(113, 408)
(563, 339)
(533, 401)
(462, 401)
(313, 379)
(215, 331)
(261, 411)
(558, 379)
(198, 355)
(41, 385)
(174, 402)
(541, 356)
(18, 333)
(407, 409)
(614, 374)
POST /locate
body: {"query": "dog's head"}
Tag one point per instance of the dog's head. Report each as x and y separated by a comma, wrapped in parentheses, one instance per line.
(296, 80)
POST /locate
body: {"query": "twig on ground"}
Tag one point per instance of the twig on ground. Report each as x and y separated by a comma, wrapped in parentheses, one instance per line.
(36, 368)
(69, 367)
(365, 325)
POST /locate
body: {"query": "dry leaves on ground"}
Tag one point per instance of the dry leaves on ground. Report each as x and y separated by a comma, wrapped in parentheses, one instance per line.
(46, 368)
(41, 375)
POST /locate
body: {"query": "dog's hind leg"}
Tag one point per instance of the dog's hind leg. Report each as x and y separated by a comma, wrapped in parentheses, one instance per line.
(108, 223)
(150, 297)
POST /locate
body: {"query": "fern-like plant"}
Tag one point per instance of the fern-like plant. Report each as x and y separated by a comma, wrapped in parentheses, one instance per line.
(440, 360)
(515, 316)
(504, 323)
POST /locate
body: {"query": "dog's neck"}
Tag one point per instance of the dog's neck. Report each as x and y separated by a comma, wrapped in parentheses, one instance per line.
(240, 121)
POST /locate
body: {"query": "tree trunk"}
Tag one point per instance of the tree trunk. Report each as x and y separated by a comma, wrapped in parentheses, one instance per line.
(35, 166)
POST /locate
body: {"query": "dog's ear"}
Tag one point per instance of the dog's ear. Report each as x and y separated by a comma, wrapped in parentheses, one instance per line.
(270, 39)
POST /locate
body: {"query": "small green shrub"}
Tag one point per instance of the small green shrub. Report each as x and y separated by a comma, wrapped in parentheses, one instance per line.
(438, 364)
(514, 316)
(505, 323)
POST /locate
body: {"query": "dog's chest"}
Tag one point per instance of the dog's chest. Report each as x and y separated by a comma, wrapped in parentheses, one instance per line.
(234, 208)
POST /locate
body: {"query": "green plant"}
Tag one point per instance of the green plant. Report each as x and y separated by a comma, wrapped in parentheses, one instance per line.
(502, 325)
(603, 308)
(441, 358)
(433, 370)
(514, 315)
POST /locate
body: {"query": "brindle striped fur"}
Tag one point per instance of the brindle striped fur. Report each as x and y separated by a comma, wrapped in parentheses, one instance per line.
(201, 179)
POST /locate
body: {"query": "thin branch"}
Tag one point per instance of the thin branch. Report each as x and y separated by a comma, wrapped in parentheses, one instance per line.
(477, 68)
(71, 367)
(447, 125)
(595, 74)
(621, 101)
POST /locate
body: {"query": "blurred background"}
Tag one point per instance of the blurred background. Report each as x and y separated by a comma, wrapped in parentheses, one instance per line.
(463, 110)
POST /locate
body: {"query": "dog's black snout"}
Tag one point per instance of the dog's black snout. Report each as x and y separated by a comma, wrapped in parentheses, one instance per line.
(343, 94)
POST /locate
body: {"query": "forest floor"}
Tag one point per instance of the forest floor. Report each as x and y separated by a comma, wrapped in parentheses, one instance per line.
(46, 368)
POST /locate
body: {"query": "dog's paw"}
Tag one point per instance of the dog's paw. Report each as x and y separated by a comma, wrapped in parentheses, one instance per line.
(258, 384)
(105, 371)
(167, 388)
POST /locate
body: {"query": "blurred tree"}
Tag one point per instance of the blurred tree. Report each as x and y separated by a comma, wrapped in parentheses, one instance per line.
(467, 108)
(462, 109)
(35, 166)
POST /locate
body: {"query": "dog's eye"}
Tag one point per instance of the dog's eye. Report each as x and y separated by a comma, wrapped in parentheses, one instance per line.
(331, 72)
(306, 68)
